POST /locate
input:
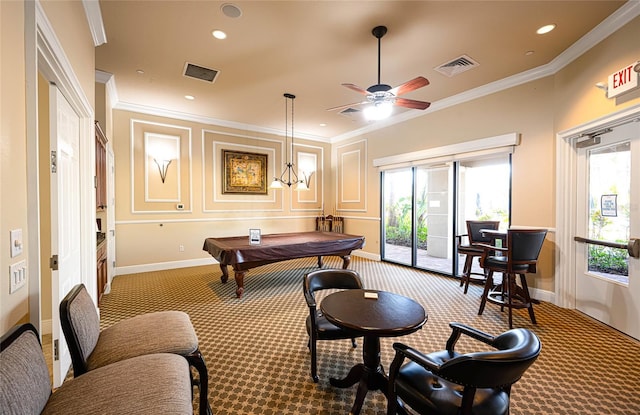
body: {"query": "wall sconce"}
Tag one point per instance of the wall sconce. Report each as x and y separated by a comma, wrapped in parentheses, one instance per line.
(305, 180)
(163, 166)
(163, 150)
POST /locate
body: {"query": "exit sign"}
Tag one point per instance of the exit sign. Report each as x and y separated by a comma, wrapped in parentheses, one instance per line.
(623, 80)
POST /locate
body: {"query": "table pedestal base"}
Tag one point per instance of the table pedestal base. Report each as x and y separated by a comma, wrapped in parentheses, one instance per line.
(369, 375)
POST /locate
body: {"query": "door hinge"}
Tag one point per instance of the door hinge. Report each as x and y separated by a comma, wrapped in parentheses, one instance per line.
(56, 350)
(53, 262)
(54, 161)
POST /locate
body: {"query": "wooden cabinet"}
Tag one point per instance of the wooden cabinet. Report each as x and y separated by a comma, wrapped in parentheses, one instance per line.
(101, 267)
(101, 206)
(101, 169)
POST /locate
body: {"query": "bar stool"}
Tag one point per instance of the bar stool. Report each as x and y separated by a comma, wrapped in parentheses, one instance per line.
(471, 250)
(520, 257)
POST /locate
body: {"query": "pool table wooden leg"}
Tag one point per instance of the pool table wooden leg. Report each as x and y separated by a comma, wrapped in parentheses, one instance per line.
(239, 275)
(225, 273)
(346, 260)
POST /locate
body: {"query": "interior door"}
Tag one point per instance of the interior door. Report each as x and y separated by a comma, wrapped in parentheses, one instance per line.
(65, 218)
(608, 216)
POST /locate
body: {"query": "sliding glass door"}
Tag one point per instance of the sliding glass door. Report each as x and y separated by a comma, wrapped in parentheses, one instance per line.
(397, 205)
(484, 193)
(425, 207)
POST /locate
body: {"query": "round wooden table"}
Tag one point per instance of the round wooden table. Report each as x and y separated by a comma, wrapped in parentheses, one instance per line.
(388, 315)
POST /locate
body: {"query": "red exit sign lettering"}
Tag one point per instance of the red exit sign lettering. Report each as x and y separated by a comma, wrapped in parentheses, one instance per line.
(622, 80)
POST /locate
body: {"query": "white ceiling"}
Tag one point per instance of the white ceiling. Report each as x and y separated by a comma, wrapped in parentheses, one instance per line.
(309, 48)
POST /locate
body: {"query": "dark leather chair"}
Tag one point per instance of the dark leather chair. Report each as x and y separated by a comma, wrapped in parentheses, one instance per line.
(519, 257)
(318, 327)
(449, 383)
(471, 250)
(159, 332)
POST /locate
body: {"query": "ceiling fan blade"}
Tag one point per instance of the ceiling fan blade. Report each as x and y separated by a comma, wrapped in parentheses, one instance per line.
(341, 107)
(409, 86)
(412, 103)
(356, 88)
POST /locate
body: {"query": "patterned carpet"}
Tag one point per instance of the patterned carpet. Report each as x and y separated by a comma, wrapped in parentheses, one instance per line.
(256, 347)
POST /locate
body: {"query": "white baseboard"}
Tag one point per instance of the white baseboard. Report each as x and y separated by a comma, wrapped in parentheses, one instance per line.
(367, 255)
(159, 266)
(542, 295)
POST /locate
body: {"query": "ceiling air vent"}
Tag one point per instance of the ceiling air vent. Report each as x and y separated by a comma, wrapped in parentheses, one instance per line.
(350, 112)
(199, 72)
(457, 66)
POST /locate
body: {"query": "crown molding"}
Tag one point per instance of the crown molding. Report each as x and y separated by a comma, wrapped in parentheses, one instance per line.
(144, 109)
(94, 18)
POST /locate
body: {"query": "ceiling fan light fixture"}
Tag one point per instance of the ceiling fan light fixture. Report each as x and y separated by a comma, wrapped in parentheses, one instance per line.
(378, 111)
(382, 96)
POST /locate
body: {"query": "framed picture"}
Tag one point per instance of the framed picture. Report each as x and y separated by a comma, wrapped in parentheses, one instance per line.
(244, 172)
(254, 236)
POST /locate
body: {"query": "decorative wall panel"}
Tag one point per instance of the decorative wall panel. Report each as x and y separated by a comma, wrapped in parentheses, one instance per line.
(160, 167)
(351, 178)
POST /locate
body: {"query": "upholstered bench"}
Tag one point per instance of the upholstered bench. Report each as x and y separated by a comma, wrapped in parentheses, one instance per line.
(159, 332)
(149, 384)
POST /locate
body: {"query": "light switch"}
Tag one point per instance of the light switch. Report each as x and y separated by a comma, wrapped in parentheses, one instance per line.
(17, 275)
(16, 242)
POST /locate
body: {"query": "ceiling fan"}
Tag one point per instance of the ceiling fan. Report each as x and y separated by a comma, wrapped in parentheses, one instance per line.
(382, 96)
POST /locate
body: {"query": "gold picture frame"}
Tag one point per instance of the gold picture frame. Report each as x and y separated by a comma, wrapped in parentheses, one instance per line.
(244, 172)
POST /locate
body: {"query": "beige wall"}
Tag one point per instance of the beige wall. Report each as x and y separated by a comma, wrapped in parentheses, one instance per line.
(68, 20)
(13, 179)
(152, 232)
(576, 99)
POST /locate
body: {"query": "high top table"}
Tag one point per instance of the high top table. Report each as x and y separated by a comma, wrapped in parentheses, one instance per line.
(388, 315)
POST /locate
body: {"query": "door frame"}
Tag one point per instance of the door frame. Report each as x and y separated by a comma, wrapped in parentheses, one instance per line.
(566, 200)
(45, 55)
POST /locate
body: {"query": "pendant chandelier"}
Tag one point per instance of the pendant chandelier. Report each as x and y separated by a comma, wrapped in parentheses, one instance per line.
(289, 177)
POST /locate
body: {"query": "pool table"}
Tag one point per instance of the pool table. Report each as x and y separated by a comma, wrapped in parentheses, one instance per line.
(237, 252)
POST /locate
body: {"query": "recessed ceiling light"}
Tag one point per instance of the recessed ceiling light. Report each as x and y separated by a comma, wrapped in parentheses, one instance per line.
(545, 29)
(190, 97)
(219, 34)
(139, 71)
(323, 125)
(231, 10)
(529, 53)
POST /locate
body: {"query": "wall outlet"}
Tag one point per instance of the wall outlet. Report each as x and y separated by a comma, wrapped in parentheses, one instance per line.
(17, 276)
(180, 206)
(181, 248)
